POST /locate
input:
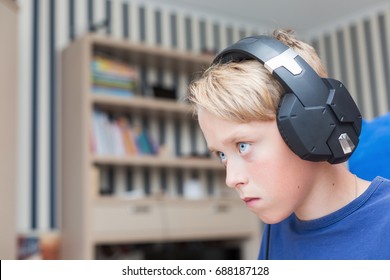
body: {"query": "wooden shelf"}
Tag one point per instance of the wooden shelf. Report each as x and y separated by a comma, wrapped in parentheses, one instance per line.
(160, 219)
(141, 104)
(156, 161)
(9, 128)
(218, 202)
(89, 218)
(150, 56)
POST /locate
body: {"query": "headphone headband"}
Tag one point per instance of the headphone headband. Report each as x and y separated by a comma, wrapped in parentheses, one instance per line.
(290, 69)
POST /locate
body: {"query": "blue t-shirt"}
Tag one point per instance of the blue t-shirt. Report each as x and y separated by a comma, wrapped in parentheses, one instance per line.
(359, 230)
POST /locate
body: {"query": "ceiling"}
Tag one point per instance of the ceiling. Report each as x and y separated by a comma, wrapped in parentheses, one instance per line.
(301, 15)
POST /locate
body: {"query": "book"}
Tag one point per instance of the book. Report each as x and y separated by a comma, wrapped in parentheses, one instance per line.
(28, 248)
(113, 77)
(128, 136)
(113, 135)
(38, 246)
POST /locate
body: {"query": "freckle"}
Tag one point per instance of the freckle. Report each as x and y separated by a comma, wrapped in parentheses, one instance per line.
(299, 187)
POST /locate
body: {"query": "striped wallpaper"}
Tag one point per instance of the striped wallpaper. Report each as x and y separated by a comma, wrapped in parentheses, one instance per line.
(356, 53)
(46, 27)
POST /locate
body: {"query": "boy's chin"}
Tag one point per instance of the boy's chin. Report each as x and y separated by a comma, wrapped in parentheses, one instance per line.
(270, 219)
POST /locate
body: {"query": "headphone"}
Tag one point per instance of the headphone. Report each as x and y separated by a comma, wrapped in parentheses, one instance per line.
(316, 117)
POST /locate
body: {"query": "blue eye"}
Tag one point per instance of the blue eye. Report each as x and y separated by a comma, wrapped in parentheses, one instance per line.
(243, 147)
(222, 156)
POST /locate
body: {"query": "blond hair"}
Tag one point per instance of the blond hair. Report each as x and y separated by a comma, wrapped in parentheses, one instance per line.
(245, 91)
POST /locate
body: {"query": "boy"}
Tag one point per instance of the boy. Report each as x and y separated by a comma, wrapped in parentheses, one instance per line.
(257, 109)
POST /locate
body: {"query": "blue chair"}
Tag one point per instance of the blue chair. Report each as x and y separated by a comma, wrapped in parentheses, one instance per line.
(372, 156)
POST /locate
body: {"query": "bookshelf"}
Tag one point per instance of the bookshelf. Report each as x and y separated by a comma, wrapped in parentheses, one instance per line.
(177, 194)
(8, 125)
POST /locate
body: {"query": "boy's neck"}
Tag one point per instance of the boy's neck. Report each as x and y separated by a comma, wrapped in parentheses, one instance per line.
(333, 188)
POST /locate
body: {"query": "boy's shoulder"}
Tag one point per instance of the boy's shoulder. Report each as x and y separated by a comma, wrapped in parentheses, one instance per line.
(378, 193)
(380, 184)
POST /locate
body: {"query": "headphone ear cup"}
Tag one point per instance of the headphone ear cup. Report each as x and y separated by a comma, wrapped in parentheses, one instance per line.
(321, 133)
(280, 119)
(305, 129)
(345, 137)
(343, 106)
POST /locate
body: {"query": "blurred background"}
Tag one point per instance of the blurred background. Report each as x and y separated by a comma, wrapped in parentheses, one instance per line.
(61, 198)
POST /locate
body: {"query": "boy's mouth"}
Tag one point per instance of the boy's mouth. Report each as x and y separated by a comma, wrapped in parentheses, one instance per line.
(250, 201)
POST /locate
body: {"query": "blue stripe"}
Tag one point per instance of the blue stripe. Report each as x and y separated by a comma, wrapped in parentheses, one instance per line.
(385, 55)
(193, 138)
(177, 129)
(158, 24)
(71, 20)
(125, 14)
(329, 55)
(90, 15)
(202, 35)
(144, 81)
(108, 17)
(210, 182)
(357, 67)
(179, 182)
(230, 39)
(147, 183)
(173, 30)
(371, 68)
(34, 116)
(142, 24)
(188, 27)
(53, 119)
(129, 179)
(163, 180)
(161, 131)
(342, 55)
(216, 36)
(160, 77)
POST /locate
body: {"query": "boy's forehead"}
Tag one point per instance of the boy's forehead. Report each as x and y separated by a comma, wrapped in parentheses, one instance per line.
(207, 118)
(224, 131)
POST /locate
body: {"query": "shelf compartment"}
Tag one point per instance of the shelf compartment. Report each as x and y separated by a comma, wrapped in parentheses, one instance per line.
(126, 220)
(228, 219)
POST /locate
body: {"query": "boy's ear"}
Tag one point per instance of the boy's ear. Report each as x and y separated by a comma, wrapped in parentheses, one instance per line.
(316, 117)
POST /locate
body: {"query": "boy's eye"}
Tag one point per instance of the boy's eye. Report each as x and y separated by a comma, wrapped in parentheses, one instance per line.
(243, 147)
(221, 156)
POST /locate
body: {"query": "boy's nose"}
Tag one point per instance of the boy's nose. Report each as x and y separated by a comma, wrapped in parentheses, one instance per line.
(235, 175)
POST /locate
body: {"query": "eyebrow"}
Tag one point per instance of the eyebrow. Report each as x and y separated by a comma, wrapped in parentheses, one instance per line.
(231, 139)
(236, 137)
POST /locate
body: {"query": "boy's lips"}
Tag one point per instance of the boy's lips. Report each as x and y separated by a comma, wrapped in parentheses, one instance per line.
(250, 201)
